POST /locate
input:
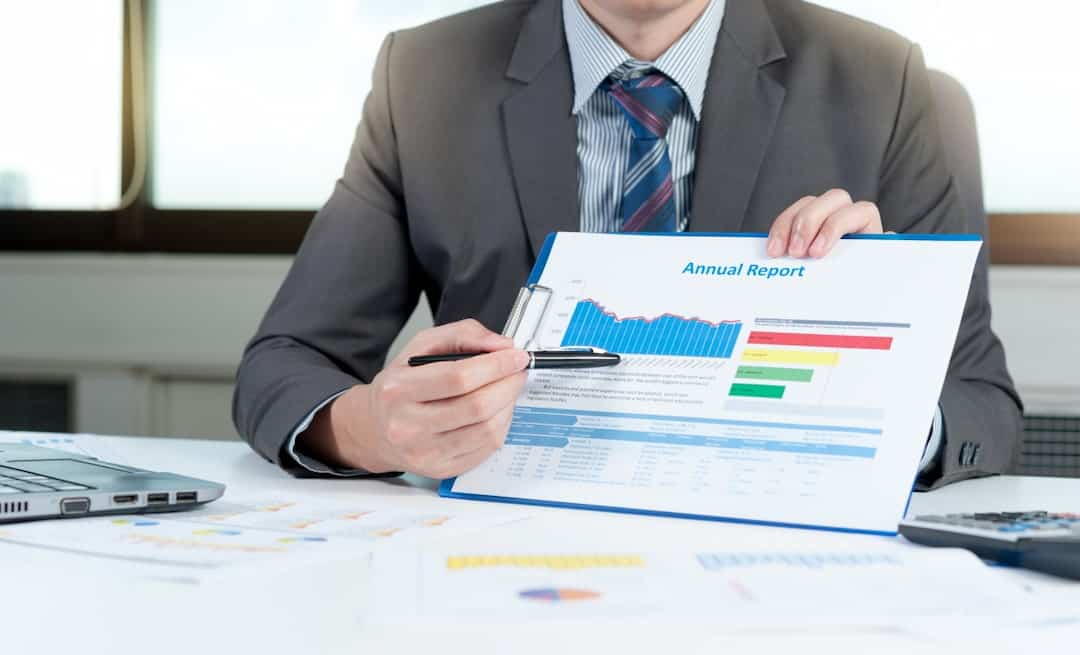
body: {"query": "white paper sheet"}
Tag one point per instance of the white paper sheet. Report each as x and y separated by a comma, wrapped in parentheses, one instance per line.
(787, 391)
(778, 586)
(236, 532)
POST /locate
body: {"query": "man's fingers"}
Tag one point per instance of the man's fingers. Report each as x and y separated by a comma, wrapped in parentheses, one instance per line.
(459, 450)
(462, 336)
(780, 232)
(808, 220)
(462, 463)
(452, 379)
(487, 401)
(860, 218)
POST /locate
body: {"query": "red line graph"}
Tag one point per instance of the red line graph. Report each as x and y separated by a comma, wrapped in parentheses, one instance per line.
(592, 324)
(607, 312)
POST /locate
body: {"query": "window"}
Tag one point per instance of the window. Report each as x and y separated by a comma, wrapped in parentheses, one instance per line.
(1018, 62)
(60, 117)
(256, 101)
(240, 115)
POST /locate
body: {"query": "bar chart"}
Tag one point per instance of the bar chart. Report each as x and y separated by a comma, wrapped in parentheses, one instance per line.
(591, 324)
(811, 367)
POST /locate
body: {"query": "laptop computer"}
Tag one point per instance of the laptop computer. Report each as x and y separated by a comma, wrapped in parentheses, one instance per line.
(42, 483)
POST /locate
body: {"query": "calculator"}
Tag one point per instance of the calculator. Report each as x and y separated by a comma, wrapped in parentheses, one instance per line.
(1042, 541)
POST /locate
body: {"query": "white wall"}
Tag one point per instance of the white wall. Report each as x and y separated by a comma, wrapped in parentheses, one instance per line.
(152, 341)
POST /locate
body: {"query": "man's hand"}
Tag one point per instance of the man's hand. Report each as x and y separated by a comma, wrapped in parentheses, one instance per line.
(813, 225)
(437, 420)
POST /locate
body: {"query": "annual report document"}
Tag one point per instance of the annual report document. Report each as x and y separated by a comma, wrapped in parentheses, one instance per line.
(786, 391)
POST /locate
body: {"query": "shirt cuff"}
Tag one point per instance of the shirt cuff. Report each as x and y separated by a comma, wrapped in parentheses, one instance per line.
(310, 463)
(933, 442)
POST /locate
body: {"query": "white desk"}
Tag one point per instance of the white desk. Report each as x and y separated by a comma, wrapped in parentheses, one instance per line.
(321, 609)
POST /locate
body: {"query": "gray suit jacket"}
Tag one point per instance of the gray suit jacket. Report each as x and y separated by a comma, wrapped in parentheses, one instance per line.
(465, 160)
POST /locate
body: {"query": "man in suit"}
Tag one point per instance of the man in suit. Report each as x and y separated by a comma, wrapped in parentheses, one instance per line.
(487, 130)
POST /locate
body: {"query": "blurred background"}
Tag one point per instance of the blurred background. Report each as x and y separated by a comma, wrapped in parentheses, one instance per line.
(160, 160)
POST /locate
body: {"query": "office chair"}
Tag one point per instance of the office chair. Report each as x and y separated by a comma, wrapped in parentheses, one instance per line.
(956, 118)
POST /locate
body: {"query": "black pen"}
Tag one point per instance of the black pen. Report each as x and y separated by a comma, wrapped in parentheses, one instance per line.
(558, 358)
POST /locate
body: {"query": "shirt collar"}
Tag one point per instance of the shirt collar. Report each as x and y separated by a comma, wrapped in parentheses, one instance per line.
(594, 55)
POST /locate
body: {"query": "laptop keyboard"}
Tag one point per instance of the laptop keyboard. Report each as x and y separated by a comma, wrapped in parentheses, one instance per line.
(15, 481)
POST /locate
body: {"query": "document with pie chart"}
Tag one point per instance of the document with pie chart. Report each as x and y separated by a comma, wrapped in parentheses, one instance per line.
(787, 391)
(801, 582)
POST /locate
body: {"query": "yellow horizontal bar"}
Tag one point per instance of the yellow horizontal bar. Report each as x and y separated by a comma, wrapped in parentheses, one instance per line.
(790, 356)
(544, 561)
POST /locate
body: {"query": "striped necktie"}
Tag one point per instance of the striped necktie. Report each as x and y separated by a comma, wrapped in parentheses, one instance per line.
(649, 104)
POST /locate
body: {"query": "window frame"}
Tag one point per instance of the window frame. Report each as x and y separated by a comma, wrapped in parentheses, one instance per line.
(1047, 239)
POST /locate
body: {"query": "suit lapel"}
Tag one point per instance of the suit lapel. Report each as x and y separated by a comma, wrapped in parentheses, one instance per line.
(740, 110)
(540, 130)
(741, 106)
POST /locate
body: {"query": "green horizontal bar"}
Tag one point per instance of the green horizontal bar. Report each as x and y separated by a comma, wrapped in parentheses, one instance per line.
(775, 373)
(757, 390)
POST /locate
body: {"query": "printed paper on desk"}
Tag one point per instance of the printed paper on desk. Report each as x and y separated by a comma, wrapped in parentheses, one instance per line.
(772, 586)
(794, 392)
(253, 532)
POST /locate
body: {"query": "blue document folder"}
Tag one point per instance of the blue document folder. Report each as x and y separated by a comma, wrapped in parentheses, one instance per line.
(779, 392)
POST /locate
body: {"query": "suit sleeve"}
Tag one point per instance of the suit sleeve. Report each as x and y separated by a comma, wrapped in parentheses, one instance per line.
(351, 287)
(981, 411)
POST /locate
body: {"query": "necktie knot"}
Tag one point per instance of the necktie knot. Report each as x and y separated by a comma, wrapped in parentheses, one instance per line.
(648, 102)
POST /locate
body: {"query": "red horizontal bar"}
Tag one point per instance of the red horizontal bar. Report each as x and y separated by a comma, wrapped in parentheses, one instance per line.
(819, 340)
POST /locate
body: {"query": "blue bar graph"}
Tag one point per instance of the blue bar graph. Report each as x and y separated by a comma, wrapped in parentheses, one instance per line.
(819, 560)
(592, 325)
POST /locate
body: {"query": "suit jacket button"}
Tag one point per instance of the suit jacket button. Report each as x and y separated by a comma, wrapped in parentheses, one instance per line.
(963, 459)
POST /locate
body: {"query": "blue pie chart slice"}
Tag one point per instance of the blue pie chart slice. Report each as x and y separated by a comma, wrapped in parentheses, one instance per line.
(558, 595)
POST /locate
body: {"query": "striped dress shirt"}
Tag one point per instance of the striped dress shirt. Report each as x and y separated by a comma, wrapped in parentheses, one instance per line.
(603, 133)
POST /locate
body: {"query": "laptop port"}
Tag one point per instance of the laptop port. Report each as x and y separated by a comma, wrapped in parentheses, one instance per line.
(186, 496)
(70, 506)
(124, 499)
(157, 499)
